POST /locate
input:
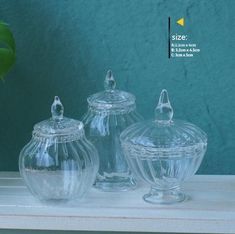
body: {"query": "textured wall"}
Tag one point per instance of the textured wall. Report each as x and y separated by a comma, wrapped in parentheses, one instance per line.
(65, 47)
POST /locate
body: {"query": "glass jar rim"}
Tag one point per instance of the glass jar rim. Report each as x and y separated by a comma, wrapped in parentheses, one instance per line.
(111, 99)
(58, 127)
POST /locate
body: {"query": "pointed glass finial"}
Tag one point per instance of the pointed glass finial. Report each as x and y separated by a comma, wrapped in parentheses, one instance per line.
(164, 111)
(109, 82)
(57, 109)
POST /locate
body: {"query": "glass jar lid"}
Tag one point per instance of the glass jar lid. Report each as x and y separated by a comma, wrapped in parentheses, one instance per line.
(111, 99)
(164, 133)
(58, 127)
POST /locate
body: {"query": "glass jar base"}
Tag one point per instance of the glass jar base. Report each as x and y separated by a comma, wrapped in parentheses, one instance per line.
(156, 196)
(115, 185)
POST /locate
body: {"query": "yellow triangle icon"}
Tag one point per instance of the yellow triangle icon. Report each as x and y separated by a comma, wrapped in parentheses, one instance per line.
(180, 22)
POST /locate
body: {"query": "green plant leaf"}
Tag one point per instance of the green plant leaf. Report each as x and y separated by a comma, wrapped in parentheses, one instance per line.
(7, 58)
(7, 49)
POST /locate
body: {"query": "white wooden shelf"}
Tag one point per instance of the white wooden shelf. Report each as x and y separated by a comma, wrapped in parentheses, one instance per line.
(210, 209)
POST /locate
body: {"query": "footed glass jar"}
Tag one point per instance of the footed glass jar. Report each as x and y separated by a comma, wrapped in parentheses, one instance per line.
(59, 163)
(109, 113)
(164, 152)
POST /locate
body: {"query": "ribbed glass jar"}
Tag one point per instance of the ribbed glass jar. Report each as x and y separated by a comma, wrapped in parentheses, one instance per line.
(59, 163)
(164, 152)
(109, 113)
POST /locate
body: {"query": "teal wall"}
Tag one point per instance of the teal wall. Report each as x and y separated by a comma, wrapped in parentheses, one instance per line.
(65, 47)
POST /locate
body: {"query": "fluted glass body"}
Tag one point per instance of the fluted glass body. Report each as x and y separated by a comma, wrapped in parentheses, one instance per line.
(163, 169)
(58, 170)
(103, 130)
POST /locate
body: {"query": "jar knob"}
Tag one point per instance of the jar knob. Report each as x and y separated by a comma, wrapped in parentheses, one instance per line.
(109, 82)
(164, 111)
(57, 109)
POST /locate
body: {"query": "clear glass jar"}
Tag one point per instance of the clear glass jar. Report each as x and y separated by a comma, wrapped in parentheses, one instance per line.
(164, 152)
(109, 113)
(59, 163)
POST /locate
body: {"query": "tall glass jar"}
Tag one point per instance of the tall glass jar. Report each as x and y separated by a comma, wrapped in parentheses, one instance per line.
(109, 113)
(59, 163)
